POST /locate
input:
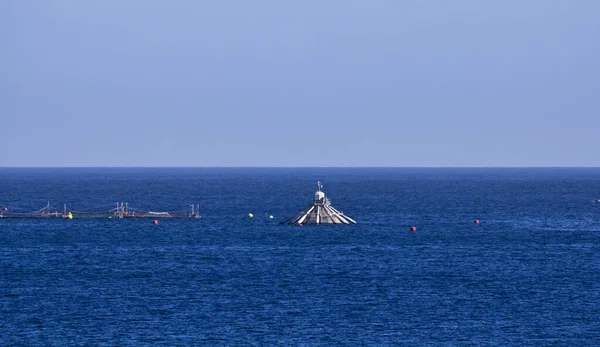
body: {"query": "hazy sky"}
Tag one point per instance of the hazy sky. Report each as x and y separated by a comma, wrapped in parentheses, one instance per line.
(300, 83)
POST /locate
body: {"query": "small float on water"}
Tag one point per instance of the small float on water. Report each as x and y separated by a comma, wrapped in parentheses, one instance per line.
(319, 211)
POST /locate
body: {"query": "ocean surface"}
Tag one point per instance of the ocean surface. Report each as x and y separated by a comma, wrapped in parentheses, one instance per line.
(527, 274)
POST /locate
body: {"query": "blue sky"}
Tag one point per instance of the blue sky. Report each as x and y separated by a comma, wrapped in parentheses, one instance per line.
(304, 83)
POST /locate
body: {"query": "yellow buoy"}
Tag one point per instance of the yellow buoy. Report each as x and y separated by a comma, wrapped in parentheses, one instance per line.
(70, 215)
(250, 215)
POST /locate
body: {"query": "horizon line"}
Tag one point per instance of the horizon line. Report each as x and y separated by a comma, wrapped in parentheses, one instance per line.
(301, 167)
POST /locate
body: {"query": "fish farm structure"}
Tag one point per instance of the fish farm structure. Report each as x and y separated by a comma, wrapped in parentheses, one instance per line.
(319, 211)
(121, 210)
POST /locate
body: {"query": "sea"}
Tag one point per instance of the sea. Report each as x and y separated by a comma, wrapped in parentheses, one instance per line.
(528, 274)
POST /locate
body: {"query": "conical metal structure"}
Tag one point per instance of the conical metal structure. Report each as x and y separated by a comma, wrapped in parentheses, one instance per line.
(320, 211)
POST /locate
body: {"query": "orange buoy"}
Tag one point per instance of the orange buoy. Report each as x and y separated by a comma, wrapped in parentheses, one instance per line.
(155, 222)
(413, 228)
(476, 221)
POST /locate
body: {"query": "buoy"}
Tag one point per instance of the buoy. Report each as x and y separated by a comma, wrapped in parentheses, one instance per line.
(476, 221)
(70, 215)
(5, 209)
(299, 224)
(270, 217)
(250, 215)
(413, 228)
(155, 222)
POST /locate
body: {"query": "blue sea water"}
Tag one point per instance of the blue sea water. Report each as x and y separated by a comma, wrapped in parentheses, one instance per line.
(528, 274)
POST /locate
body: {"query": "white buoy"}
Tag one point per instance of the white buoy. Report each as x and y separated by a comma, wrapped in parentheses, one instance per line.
(250, 215)
(270, 217)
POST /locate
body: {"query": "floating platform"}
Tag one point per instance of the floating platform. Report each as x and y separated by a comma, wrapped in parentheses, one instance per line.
(122, 210)
(320, 211)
